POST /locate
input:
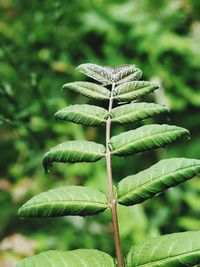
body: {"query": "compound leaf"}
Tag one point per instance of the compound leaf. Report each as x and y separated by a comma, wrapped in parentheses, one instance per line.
(136, 111)
(172, 250)
(145, 138)
(74, 151)
(83, 114)
(68, 200)
(132, 90)
(166, 173)
(78, 258)
(89, 89)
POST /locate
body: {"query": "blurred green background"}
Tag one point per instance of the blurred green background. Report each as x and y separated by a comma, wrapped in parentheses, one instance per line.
(41, 43)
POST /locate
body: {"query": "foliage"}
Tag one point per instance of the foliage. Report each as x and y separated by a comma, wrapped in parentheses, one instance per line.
(41, 43)
(85, 201)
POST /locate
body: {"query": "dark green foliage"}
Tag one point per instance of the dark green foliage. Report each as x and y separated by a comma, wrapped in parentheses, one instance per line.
(145, 138)
(69, 200)
(89, 89)
(135, 112)
(41, 44)
(164, 174)
(173, 250)
(84, 114)
(76, 200)
(74, 151)
(132, 90)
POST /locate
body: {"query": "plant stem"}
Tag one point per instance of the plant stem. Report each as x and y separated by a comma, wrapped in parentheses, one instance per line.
(112, 200)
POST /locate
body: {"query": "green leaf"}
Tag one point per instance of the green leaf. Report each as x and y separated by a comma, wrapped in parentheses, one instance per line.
(166, 173)
(145, 138)
(83, 114)
(173, 250)
(68, 200)
(136, 111)
(132, 90)
(89, 89)
(73, 258)
(74, 151)
(126, 73)
(102, 74)
(107, 75)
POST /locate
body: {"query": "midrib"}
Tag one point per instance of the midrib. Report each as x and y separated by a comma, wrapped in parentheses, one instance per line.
(168, 259)
(152, 182)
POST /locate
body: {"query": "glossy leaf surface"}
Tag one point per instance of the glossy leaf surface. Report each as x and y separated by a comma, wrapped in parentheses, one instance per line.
(159, 177)
(102, 74)
(145, 138)
(173, 250)
(68, 200)
(132, 90)
(74, 151)
(73, 258)
(126, 73)
(89, 89)
(136, 111)
(107, 75)
(83, 114)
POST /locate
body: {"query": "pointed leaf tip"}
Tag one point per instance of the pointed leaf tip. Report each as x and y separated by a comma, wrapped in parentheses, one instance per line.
(145, 138)
(89, 115)
(136, 111)
(107, 75)
(166, 173)
(89, 89)
(68, 200)
(132, 90)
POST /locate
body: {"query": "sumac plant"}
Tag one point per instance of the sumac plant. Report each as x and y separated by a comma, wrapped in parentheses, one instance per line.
(119, 87)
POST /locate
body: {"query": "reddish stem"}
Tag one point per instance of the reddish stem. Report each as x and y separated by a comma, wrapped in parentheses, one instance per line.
(112, 200)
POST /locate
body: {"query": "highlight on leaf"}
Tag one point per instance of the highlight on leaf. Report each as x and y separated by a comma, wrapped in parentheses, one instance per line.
(89, 89)
(166, 173)
(74, 151)
(136, 111)
(107, 75)
(126, 73)
(76, 258)
(145, 138)
(83, 114)
(68, 200)
(102, 74)
(172, 250)
(130, 91)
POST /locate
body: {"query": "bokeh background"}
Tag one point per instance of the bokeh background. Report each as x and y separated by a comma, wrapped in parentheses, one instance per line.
(41, 43)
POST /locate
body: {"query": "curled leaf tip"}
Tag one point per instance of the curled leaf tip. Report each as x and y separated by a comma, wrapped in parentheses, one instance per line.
(46, 165)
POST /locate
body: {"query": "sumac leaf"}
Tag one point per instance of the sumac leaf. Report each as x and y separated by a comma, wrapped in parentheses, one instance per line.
(136, 111)
(76, 258)
(74, 151)
(145, 138)
(107, 75)
(126, 73)
(166, 173)
(68, 200)
(102, 74)
(83, 114)
(132, 90)
(89, 89)
(173, 250)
